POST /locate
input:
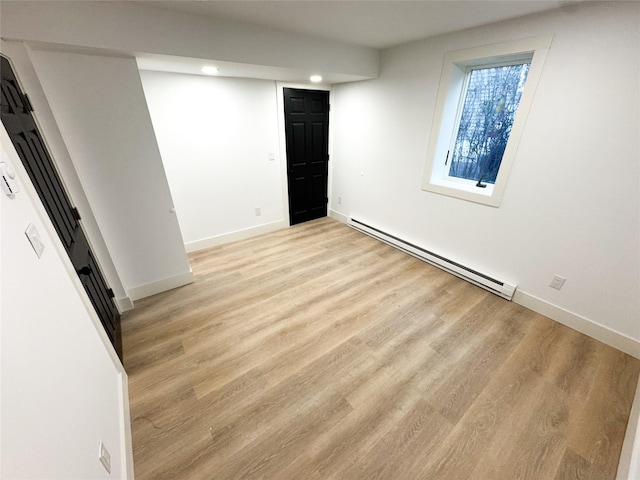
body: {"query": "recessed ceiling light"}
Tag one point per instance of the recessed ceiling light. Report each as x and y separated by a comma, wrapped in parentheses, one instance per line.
(209, 70)
(315, 78)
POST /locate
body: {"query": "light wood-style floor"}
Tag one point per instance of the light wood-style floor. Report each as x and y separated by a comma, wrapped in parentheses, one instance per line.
(316, 352)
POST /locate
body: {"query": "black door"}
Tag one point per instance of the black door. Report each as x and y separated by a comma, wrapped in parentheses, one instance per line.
(25, 136)
(306, 114)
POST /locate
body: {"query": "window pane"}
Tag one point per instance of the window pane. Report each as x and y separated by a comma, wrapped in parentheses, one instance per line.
(490, 105)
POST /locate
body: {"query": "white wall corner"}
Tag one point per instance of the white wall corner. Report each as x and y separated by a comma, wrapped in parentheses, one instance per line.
(123, 304)
(148, 289)
(590, 328)
(234, 236)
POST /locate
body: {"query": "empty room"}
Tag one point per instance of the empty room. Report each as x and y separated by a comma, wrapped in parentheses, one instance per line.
(320, 240)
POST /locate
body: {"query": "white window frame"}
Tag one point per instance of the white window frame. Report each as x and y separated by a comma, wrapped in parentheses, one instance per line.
(448, 108)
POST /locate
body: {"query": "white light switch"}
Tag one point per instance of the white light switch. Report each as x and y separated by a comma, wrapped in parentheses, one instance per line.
(272, 156)
(34, 239)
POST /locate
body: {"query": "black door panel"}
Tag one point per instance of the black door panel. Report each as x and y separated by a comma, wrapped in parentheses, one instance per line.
(307, 138)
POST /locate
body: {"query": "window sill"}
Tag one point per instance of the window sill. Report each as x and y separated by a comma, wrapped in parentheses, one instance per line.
(471, 193)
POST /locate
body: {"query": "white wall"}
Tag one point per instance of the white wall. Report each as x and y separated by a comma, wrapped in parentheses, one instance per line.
(99, 106)
(571, 205)
(62, 388)
(215, 136)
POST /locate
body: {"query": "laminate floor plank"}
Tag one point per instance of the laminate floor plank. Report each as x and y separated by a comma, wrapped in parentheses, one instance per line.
(574, 467)
(421, 429)
(596, 441)
(316, 352)
(544, 434)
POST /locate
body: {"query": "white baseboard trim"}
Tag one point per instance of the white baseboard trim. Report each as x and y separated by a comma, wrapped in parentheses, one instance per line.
(124, 304)
(338, 216)
(581, 324)
(629, 464)
(125, 436)
(148, 289)
(234, 236)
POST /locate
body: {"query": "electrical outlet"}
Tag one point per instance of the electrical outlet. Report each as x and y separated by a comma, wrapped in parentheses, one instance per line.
(339, 200)
(104, 456)
(258, 211)
(557, 282)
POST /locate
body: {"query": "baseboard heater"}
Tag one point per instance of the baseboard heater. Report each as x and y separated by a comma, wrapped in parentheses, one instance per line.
(498, 287)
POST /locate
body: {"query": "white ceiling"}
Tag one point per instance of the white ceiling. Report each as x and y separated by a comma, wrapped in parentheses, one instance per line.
(377, 24)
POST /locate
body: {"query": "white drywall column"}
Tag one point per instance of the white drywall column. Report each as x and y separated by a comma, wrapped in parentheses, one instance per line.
(62, 387)
(99, 105)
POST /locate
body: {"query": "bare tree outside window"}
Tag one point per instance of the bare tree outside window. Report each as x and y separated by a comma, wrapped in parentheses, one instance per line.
(491, 100)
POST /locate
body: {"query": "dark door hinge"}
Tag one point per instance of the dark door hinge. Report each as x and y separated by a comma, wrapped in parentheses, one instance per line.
(76, 213)
(110, 293)
(27, 103)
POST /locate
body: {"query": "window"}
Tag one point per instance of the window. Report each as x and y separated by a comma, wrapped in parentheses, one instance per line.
(491, 97)
(482, 105)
